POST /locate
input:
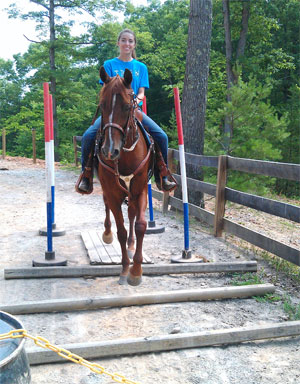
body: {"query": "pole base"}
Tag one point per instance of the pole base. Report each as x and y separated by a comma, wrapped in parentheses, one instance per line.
(152, 228)
(187, 257)
(55, 231)
(49, 260)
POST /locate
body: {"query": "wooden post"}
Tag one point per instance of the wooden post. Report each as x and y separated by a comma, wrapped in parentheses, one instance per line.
(220, 196)
(3, 143)
(34, 145)
(171, 168)
(75, 150)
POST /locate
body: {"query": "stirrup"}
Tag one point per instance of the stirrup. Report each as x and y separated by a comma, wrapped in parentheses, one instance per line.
(89, 175)
(161, 182)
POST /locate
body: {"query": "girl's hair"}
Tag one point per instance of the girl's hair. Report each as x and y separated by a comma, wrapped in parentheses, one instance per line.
(133, 34)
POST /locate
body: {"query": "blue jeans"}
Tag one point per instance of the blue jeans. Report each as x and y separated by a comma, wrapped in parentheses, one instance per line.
(155, 131)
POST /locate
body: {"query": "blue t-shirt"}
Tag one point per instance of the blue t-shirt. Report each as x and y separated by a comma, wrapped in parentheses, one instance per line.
(139, 72)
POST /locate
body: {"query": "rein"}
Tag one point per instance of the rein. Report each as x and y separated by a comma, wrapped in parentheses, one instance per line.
(131, 126)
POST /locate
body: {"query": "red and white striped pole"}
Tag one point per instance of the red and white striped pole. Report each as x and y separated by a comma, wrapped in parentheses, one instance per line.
(52, 163)
(50, 259)
(186, 253)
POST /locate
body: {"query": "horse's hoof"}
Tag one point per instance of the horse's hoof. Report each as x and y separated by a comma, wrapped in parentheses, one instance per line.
(134, 280)
(130, 253)
(108, 239)
(123, 280)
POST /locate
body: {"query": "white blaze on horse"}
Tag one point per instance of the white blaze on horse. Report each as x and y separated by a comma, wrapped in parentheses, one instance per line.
(124, 163)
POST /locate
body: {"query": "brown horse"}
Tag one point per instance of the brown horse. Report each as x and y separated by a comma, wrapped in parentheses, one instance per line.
(124, 161)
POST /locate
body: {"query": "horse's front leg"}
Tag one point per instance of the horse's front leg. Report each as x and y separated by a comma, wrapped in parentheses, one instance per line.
(122, 237)
(107, 235)
(130, 241)
(135, 272)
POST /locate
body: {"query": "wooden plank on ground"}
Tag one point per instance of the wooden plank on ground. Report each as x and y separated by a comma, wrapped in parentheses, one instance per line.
(101, 253)
(89, 246)
(114, 270)
(151, 344)
(98, 244)
(203, 294)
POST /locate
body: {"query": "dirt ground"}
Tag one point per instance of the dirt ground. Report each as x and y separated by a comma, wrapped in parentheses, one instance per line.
(23, 213)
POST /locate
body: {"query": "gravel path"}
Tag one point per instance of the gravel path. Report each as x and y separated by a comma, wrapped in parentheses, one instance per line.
(23, 213)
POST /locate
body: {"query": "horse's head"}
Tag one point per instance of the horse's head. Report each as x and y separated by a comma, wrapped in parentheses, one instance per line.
(116, 106)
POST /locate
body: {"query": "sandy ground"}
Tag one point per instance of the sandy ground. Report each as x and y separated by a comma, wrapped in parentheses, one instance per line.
(23, 213)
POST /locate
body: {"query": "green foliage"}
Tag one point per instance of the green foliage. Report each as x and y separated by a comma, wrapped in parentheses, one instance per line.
(292, 310)
(264, 105)
(246, 279)
(268, 298)
(258, 131)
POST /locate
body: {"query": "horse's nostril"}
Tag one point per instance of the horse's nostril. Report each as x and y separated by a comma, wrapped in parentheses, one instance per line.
(116, 153)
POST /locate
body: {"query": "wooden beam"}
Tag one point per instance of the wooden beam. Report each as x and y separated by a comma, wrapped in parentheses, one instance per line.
(194, 210)
(151, 344)
(197, 185)
(220, 196)
(284, 251)
(114, 270)
(273, 207)
(204, 294)
(198, 160)
(267, 168)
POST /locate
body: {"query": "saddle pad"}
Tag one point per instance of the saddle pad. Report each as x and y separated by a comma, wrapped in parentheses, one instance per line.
(102, 253)
(144, 132)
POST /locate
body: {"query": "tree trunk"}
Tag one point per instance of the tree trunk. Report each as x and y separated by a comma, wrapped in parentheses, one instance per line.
(195, 84)
(53, 77)
(231, 77)
(228, 128)
(243, 35)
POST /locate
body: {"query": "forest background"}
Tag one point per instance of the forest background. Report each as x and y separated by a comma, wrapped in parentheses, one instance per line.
(264, 101)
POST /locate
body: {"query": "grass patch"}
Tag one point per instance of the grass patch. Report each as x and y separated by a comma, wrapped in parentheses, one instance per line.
(280, 265)
(248, 278)
(268, 298)
(293, 311)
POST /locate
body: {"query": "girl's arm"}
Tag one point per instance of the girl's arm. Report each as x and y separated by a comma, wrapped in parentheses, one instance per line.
(140, 95)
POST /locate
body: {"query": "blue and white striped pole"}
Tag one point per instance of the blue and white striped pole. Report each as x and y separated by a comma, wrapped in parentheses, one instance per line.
(186, 253)
(151, 227)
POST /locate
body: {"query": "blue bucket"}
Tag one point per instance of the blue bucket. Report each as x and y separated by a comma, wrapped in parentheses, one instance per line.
(14, 365)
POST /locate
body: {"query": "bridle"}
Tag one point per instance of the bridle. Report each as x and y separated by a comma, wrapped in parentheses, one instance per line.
(130, 127)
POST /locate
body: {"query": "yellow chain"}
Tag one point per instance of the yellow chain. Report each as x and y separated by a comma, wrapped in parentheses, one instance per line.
(44, 343)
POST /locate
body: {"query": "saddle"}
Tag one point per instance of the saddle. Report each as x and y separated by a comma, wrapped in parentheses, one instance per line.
(157, 163)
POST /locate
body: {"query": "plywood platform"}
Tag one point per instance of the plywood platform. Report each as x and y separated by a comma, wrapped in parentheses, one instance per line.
(101, 253)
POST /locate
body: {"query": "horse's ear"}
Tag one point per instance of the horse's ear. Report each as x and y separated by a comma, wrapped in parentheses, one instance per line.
(127, 78)
(104, 76)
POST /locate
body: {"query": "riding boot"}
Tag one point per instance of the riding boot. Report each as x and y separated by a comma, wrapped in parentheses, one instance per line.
(163, 184)
(84, 183)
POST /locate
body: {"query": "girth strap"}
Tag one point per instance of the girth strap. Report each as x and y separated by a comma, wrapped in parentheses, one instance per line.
(127, 179)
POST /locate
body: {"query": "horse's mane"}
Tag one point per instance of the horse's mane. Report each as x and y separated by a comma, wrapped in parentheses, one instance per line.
(115, 86)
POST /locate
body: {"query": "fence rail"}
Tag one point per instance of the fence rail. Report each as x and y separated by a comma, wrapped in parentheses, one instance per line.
(223, 194)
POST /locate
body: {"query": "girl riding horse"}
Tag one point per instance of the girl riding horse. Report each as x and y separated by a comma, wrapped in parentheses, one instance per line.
(117, 66)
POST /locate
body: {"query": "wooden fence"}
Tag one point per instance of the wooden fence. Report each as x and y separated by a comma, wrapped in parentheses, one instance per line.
(222, 194)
